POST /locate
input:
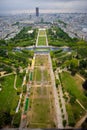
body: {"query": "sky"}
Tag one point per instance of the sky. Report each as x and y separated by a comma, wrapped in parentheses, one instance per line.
(45, 6)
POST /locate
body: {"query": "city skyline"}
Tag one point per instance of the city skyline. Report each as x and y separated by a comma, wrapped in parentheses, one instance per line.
(50, 6)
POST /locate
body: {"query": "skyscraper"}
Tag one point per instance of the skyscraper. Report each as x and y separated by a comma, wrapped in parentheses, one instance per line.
(37, 11)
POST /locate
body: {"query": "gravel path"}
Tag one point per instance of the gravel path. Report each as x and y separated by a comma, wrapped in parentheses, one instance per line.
(15, 82)
(56, 100)
(62, 99)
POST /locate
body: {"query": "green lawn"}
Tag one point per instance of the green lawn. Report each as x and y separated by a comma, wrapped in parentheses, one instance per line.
(73, 86)
(41, 111)
(41, 91)
(8, 95)
(30, 76)
(19, 80)
(45, 91)
(41, 60)
(74, 113)
(41, 50)
(38, 61)
(26, 105)
(37, 74)
(46, 76)
(42, 32)
(42, 41)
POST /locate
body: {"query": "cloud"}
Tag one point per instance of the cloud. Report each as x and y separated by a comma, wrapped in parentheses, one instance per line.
(44, 5)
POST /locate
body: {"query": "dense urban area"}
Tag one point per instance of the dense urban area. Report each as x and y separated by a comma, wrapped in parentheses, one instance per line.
(43, 71)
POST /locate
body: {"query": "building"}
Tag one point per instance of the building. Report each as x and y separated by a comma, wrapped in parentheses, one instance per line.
(37, 11)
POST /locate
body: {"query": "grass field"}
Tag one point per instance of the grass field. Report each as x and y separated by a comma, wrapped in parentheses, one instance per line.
(42, 41)
(8, 95)
(41, 50)
(19, 80)
(37, 74)
(39, 91)
(41, 75)
(41, 113)
(41, 60)
(41, 72)
(73, 85)
(42, 32)
(26, 105)
(30, 76)
(46, 75)
(41, 108)
(43, 91)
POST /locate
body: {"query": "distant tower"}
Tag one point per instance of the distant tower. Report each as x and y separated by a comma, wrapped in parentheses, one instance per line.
(37, 11)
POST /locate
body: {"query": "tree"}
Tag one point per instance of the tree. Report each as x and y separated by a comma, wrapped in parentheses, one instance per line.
(57, 83)
(83, 64)
(2, 42)
(64, 123)
(5, 118)
(16, 120)
(73, 72)
(73, 66)
(85, 85)
(72, 99)
(84, 124)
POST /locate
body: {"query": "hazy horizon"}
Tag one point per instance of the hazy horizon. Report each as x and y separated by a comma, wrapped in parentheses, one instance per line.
(46, 6)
